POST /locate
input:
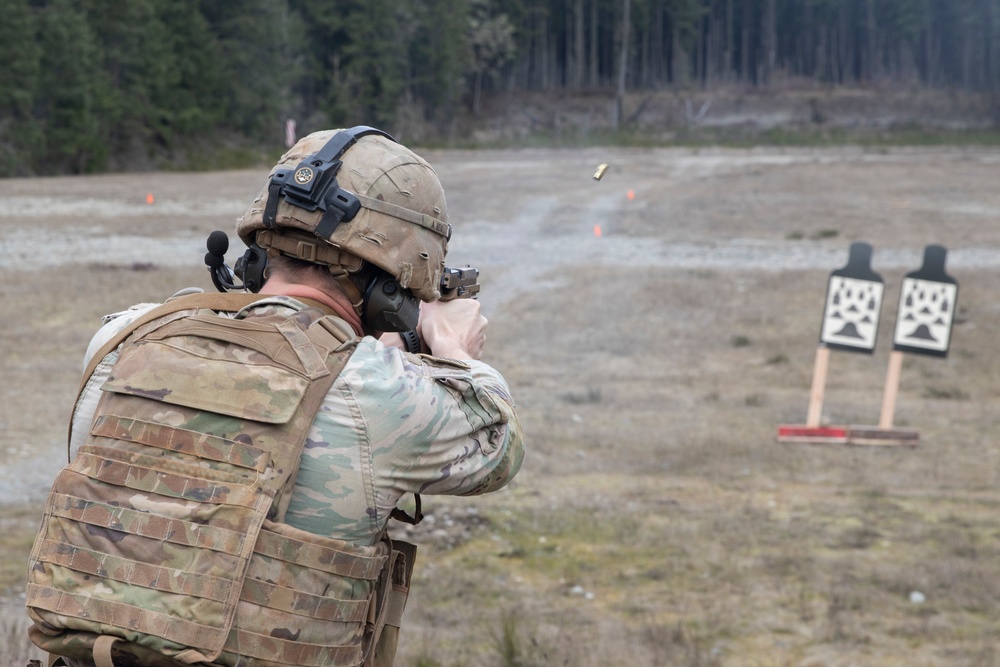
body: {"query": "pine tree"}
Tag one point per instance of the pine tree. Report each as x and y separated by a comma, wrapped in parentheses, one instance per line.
(439, 57)
(184, 72)
(65, 100)
(491, 42)
(128, 48)
(262, 51)
(368, 85)
(19, 131)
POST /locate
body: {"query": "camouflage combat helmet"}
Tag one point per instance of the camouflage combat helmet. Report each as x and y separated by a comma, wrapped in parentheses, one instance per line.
(362, 196)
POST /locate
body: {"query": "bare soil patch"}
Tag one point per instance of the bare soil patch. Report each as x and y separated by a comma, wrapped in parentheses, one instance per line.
(653, 342)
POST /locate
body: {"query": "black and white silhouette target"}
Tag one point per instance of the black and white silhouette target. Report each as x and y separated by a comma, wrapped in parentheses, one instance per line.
(927, 304)
(853, 303)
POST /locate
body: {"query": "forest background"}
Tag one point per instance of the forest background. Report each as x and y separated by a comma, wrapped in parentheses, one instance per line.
(124, 85)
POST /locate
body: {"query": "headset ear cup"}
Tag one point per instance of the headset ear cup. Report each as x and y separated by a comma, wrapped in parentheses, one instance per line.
(250, 268)
(387, 306)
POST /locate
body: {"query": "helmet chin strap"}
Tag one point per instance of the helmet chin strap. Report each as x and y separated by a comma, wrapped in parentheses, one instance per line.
(351, 289)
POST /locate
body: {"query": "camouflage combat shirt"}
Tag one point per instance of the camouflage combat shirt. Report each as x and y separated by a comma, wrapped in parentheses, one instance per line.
(391, 423)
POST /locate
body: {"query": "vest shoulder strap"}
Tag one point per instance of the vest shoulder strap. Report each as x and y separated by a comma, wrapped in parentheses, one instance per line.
(229, 302)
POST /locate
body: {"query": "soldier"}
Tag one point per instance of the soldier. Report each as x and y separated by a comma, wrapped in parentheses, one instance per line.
(235, 458)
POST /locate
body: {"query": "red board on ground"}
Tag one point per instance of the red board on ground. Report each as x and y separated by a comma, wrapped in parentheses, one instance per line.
(803, 433)
(848, 435)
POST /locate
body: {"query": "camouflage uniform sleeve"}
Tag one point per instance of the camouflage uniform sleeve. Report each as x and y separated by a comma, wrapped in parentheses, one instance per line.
(436, 426)
(86, 405)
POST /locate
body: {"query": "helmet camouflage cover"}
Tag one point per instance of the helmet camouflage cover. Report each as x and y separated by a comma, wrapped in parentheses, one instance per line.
(400, 227)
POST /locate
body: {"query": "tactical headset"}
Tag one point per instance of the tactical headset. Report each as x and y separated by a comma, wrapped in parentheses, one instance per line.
(312, 185)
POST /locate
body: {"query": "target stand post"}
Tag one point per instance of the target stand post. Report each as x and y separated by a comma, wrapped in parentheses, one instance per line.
(850, 323)
(927, 303)
(885, 434)
(811, 431)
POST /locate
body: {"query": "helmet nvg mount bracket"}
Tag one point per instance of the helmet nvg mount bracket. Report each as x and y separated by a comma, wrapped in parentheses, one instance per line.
(313, 183)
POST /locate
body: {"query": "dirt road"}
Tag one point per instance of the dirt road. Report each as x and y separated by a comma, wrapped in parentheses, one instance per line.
(655, 325)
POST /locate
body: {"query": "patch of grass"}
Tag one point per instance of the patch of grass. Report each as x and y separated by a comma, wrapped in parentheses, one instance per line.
(15, 648)
(426, 662)
(739, 341)
(825, 234)
(17, 533)
(857, 537)
(775, 359)
(681, 644)
(515, 648)
(946, 393)
(591, 395)
(843, 604)
(839, 568)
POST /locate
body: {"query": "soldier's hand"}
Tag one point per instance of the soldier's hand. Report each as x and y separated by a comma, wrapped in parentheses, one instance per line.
(453, 329)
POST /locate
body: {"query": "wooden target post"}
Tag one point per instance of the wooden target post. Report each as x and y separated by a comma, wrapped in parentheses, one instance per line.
(850, 323)
(927, 302)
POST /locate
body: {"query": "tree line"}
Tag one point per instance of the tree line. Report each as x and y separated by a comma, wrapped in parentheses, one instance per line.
(89, 85)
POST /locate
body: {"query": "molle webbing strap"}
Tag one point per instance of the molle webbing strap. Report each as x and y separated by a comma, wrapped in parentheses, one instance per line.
(264, 647)
(137, 573)
(399, 578)
(284, 547)
(264, 594)
(119, 614)
(202, 445)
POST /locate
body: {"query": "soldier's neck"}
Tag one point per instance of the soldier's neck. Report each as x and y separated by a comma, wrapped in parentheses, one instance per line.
(337, 302)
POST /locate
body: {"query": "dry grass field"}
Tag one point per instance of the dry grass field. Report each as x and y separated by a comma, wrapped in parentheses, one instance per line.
(654, 342)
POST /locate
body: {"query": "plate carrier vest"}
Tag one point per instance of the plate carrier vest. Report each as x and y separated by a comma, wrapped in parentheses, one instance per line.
(163, 543)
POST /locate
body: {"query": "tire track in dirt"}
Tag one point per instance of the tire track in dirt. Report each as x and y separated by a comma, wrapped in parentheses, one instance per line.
(27, 249)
